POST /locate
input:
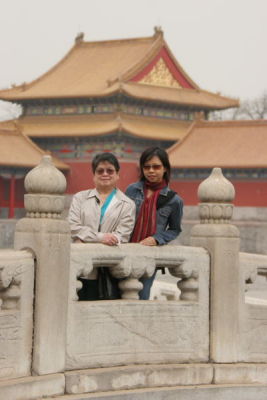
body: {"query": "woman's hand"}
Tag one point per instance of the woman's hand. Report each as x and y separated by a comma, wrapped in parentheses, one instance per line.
(149, 241)
(109, 239)
(77, 240)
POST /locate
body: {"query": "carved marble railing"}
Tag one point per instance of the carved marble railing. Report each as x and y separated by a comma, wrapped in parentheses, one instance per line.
(107, 333)
(210, 322)
(255, 313)
(253, 265)
(129, 262)
(16, 312)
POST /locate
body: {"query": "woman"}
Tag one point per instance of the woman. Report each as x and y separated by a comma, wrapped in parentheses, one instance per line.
(101, 215)
(159, 209)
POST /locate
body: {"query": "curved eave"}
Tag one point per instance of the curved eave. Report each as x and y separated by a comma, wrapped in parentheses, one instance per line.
(196, 99)
(97, 125)
(17, 150)
(191, 98)
(22, 95)
(155, 128)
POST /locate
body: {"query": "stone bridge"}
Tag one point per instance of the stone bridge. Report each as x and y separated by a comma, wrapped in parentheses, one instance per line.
(211, 343)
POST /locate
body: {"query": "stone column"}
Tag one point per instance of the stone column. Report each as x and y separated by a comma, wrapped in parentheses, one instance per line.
(47, 235)
(221, 239)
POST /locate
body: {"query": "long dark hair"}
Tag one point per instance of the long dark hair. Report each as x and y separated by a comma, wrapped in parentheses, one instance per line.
(109, 157)
(162, 155)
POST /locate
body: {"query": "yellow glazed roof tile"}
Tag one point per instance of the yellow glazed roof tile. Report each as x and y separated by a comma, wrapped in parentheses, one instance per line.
(17, 150)
(225, 144)
(97, 69)
(94, 125)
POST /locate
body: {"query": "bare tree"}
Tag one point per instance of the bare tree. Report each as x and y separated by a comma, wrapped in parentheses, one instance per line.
(254, 109)
(249, 109)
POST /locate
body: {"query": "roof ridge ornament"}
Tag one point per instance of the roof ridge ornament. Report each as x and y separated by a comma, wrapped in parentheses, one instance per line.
(79, 38)
(117, 80)
(23, 86)
(158, 31)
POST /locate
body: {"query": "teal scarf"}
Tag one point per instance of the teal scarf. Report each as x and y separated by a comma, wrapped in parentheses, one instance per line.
(106, 204)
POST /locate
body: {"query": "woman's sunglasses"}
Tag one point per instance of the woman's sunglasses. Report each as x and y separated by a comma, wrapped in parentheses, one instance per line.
(101, 171)
(155, 167)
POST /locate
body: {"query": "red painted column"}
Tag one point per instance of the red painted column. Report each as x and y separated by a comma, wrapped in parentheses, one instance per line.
(11, 212)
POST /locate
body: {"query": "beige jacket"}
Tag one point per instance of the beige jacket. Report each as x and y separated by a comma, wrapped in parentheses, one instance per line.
(84, 217)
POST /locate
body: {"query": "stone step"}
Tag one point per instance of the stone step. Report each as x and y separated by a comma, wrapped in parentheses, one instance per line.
(137, 377)
(203, 392)
(187, 381)
(163, 375)
(32, 387)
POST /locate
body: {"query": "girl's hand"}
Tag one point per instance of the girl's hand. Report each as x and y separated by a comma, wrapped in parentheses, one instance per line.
(149, 241)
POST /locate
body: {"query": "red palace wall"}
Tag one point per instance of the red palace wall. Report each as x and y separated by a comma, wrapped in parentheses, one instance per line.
(5, 192)
(80, 177)
(248, 193)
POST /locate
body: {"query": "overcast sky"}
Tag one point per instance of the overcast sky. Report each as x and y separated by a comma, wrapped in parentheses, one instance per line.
(221, 44)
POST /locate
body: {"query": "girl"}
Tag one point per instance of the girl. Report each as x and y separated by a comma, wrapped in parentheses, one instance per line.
(159, 209)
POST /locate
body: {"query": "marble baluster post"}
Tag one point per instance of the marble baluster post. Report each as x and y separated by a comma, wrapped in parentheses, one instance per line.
(221, 239)
(47, 235)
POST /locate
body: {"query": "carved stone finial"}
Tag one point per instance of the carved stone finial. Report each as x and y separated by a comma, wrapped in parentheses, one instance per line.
(45, 185)
(215, 194)
(45, 178)
(79, 37)
(216, 188)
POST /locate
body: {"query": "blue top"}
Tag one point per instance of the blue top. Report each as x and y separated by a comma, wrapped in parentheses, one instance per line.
(169, 214)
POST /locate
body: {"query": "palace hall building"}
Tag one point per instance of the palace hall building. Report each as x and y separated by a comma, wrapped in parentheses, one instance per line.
(119, 96)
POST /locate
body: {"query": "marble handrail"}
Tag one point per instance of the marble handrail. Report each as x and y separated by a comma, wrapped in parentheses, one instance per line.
(130, 262)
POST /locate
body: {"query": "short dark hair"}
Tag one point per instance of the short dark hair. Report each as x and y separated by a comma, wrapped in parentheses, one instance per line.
(162, 155)
(102, 157)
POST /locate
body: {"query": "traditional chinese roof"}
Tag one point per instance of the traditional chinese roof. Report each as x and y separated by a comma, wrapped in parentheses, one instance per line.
(225, 144)
(17, 150)
(95, 125)
(144, 68)
(191, 98)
